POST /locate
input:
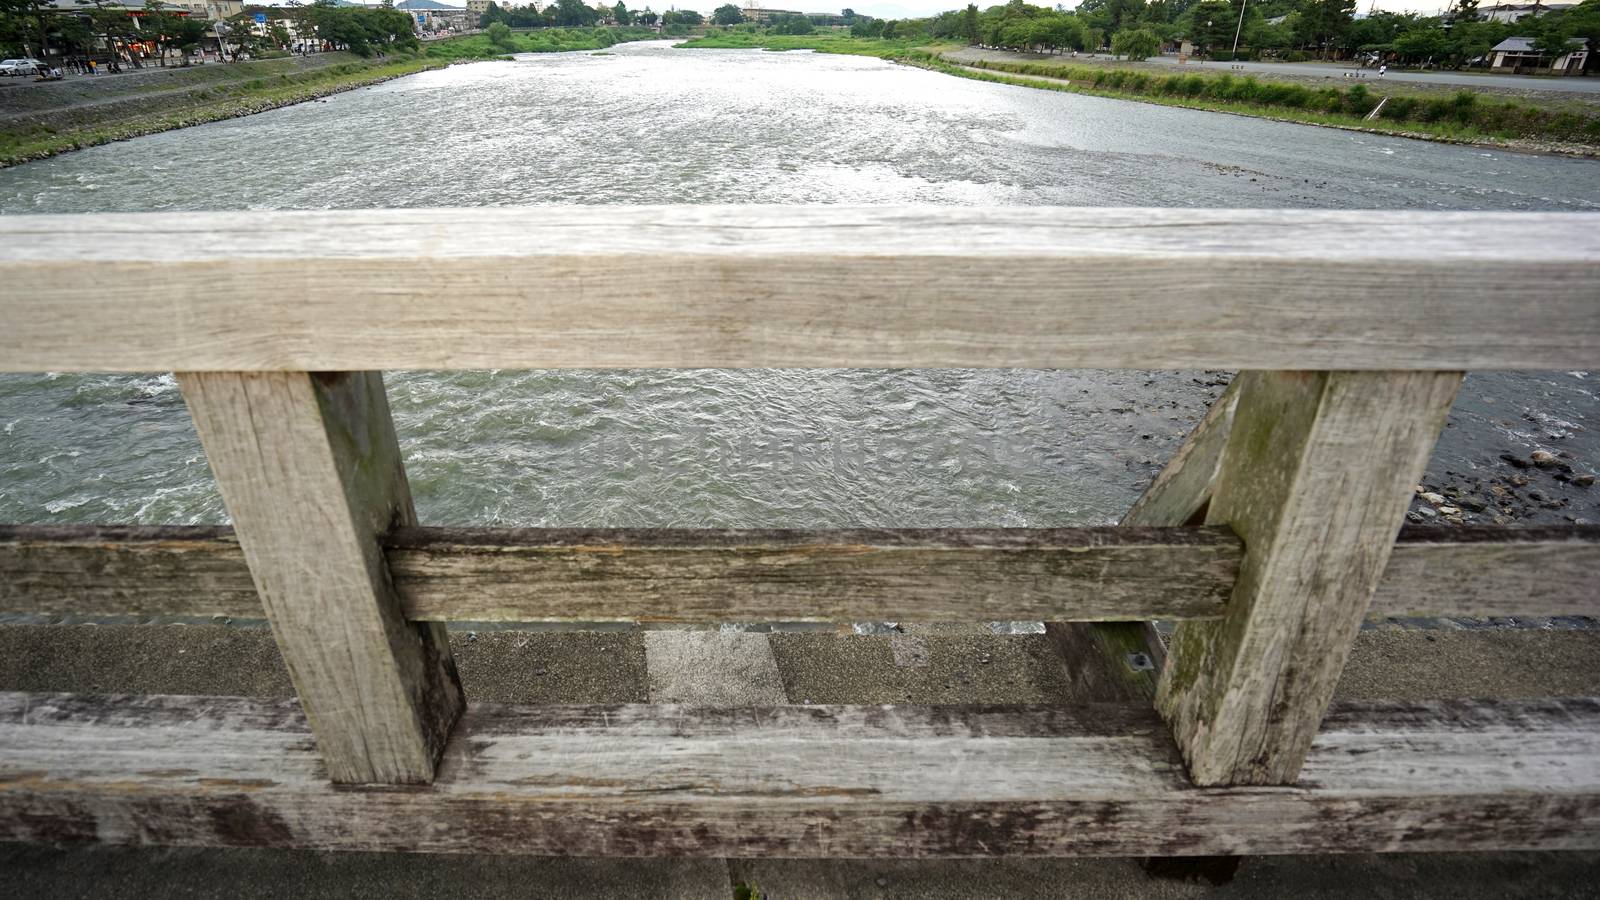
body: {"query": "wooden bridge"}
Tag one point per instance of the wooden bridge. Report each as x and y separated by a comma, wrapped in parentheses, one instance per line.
(1271, 535)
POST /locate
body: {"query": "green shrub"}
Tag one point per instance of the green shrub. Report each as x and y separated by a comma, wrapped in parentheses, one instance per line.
(1358, 100)
(499, 34)
(1135, 43)
(1399, 108)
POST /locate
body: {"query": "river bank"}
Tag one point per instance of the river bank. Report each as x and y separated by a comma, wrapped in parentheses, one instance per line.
(42, 120)
(1458, 117)
(38, 121)
(250, 87)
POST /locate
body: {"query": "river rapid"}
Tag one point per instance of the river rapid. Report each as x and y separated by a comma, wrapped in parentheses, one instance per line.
(644, 123)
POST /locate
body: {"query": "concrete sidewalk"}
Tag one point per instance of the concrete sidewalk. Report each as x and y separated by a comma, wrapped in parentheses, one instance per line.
(945, 664)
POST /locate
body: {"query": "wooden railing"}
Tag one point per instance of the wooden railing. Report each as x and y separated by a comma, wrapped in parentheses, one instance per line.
(1274, 531)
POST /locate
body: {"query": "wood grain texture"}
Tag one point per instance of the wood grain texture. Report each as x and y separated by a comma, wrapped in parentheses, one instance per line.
(1109, 662)
(311, 474)
(86, 570)
(1183, 487)
(1489, 571)
(1315, 478)
(823, 286)
(842, 576)
(1120, 662)
(799, 781)
(128, 570)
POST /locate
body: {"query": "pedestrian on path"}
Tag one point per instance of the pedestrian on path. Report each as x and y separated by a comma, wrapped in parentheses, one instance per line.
(1382, 69)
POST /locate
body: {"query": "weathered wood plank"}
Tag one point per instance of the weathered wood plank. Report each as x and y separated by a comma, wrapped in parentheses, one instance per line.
(739, 286)
(201, 571)
(1490, 571)
(800, 781)
(1115, 662)
(1126, 658)
(311, 474)
(1109, 662)
(1316, 478)
(1183, 488)
(855, 575)
(126, 570)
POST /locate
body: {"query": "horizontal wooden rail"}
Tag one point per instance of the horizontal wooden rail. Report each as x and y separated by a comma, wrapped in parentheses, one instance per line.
(750, 286)
(1068, 574)
(799, 781)
(971, 575)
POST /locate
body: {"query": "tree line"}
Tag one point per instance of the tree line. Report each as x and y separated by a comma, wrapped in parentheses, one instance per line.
(1286, 29)
(32, 27)
(577, 14)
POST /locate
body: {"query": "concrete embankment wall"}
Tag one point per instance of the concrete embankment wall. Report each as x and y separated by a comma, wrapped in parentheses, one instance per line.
(152, 86)
(39, 120)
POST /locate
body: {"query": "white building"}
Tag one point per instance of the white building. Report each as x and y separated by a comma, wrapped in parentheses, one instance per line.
(1518, 51)
(216, 10)
(435, 17)
(761, 15)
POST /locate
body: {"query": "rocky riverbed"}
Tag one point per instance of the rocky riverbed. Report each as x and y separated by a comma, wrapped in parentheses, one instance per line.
(1518, 449)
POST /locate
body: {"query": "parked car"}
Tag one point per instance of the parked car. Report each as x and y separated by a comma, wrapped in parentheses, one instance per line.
(20, 67)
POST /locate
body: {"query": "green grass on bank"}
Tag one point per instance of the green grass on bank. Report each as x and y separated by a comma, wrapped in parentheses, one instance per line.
(538, 40)
(829, 42)
(1463, 116)
(1440, 131)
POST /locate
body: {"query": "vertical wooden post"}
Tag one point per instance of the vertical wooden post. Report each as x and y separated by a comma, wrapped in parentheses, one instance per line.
(311, 473)
(1120, 662)
(1315, 478)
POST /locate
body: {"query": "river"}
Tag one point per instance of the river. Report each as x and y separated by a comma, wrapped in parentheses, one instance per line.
(643, 123)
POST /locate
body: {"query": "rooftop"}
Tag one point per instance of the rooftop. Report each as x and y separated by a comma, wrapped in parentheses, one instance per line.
(1525, 45)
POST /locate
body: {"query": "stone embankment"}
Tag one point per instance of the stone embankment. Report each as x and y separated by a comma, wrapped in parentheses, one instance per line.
(41, 120)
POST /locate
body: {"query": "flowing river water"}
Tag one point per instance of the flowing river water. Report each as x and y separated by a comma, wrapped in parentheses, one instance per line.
(644, 123)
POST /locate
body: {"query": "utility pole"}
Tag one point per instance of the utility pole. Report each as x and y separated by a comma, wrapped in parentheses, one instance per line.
(1236, 31)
